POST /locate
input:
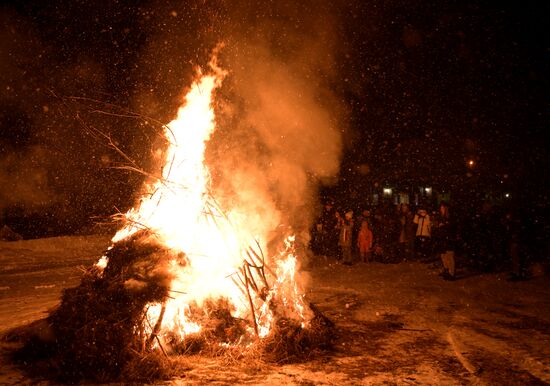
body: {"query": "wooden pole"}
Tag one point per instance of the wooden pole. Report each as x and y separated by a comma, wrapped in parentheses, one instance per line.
(251, 303)
(156, 329)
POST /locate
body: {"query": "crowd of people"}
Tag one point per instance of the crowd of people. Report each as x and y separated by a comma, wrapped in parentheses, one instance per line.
(486, 239)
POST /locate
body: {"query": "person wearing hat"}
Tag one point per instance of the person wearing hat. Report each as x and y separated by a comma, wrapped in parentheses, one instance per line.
(345, 241)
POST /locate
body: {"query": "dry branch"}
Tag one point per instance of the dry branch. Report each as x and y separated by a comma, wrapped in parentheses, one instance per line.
(156, 329)
(251, 304)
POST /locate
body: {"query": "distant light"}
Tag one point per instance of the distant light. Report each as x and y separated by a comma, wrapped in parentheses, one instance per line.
(507, 195)
(428, 191)
(471, 162)
(387, 191)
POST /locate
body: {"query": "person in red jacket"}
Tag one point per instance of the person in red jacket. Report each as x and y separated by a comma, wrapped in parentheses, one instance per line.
(364, 241)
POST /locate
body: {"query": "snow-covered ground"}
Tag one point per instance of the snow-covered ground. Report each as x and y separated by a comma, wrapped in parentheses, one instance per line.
(33, 273)
(396, 323)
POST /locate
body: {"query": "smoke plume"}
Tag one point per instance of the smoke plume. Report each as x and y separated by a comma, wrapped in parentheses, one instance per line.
(279, 121)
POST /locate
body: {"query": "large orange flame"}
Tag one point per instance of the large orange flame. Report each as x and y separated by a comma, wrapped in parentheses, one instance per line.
(184, 215)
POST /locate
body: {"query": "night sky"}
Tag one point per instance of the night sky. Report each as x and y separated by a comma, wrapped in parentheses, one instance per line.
(424, 87)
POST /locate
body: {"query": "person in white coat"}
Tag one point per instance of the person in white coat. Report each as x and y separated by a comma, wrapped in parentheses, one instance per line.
(423, 232)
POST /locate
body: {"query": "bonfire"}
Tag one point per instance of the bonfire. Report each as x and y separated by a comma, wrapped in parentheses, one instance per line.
(184, 276)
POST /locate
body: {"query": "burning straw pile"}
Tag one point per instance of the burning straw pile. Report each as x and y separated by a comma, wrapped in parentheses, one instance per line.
(175, 285)
(102, 331)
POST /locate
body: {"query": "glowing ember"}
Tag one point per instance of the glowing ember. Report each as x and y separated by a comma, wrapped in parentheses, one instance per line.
(219, 260)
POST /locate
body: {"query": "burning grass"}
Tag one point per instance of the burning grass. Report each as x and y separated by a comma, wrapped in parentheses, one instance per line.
(101, 331)
(290, 342)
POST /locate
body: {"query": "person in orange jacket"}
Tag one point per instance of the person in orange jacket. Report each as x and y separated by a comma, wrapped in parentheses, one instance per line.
(364, 241)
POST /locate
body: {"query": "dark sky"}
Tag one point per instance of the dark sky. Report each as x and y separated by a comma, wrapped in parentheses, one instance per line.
(441, 80)
(451, 81)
